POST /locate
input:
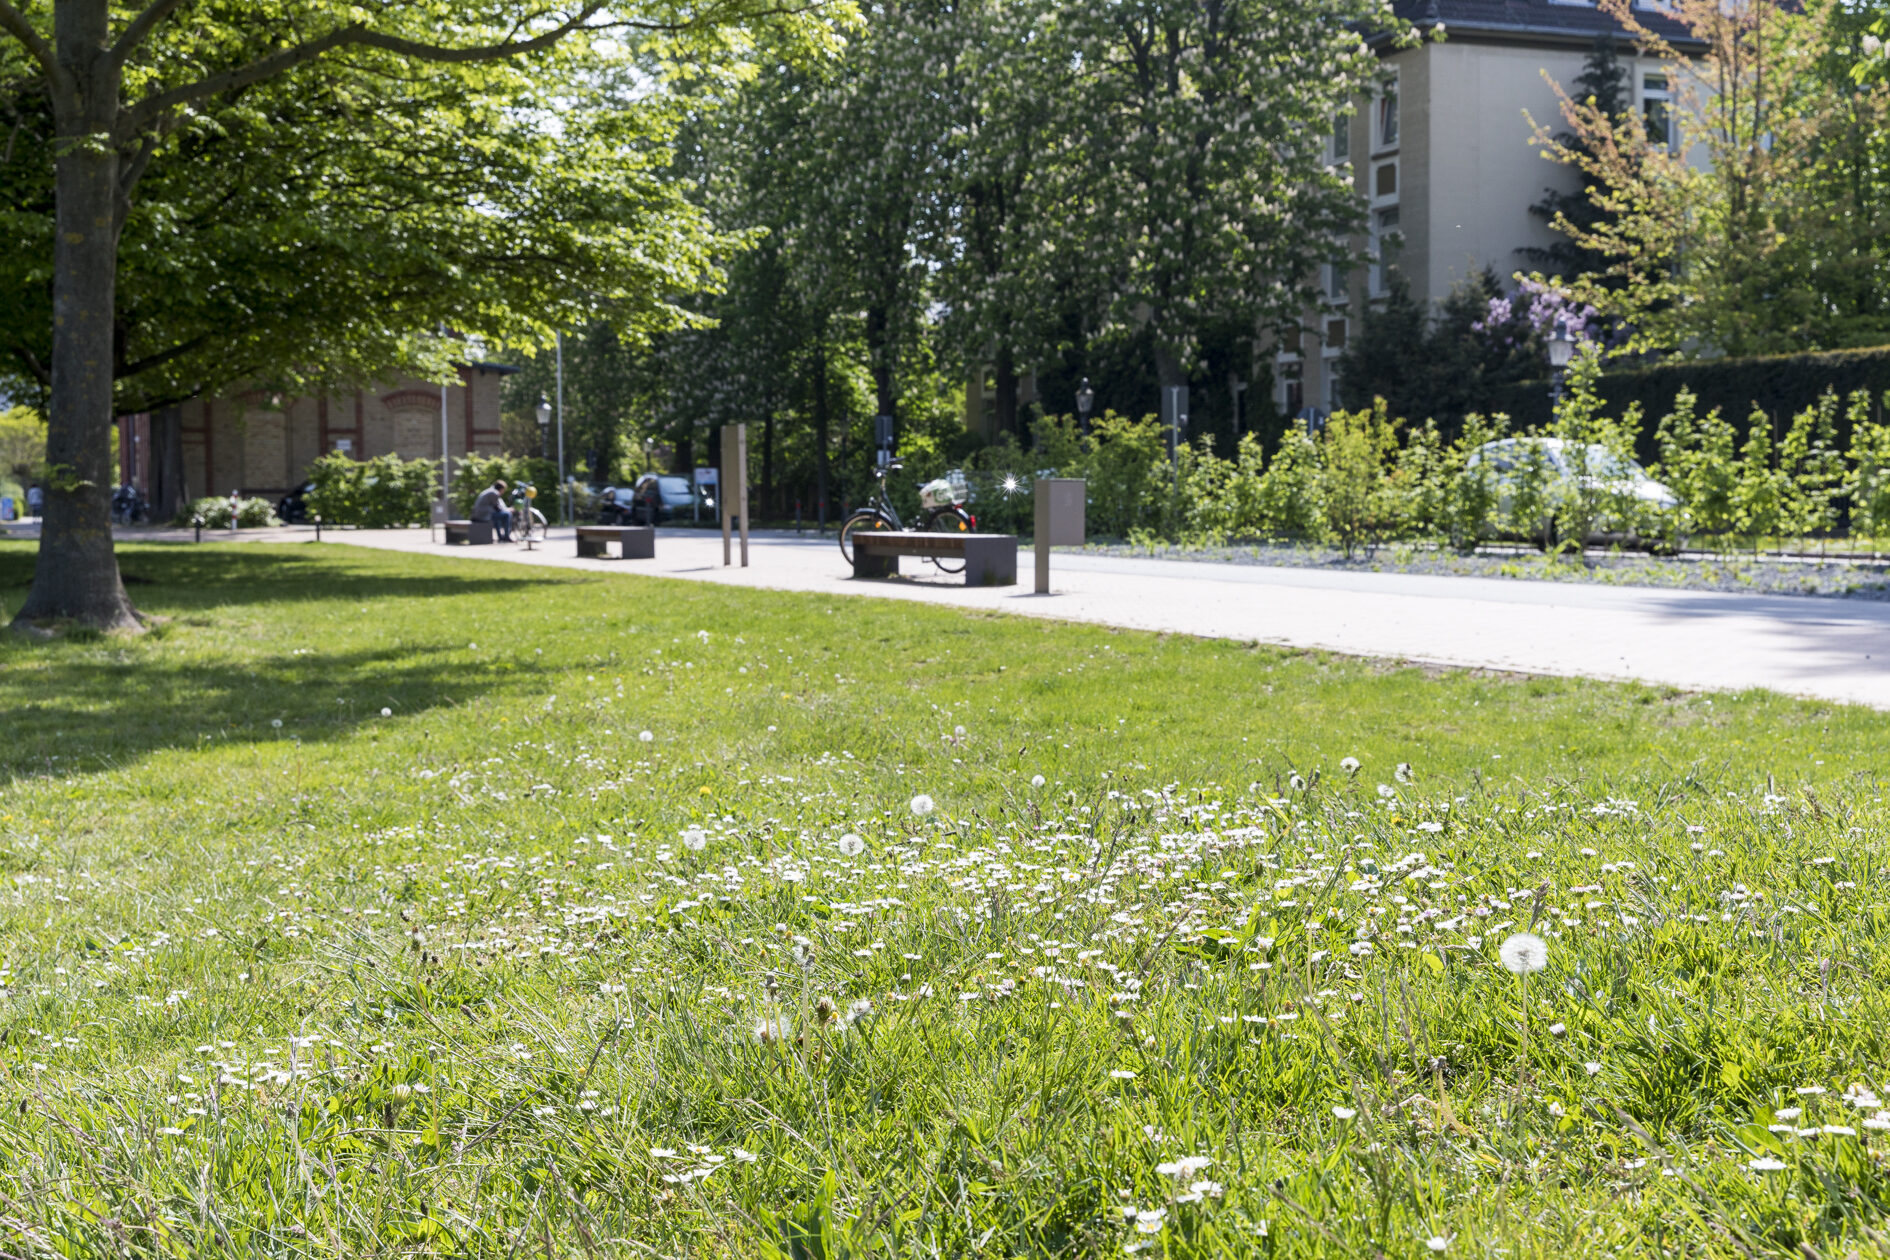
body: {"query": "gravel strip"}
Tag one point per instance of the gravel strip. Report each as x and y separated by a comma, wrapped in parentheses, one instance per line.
(1731, 572)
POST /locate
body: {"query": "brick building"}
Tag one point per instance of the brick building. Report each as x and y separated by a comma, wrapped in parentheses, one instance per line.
(261, 443)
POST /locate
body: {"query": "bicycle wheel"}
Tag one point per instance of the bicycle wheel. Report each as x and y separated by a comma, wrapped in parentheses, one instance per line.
(951, 520)
(865, 518)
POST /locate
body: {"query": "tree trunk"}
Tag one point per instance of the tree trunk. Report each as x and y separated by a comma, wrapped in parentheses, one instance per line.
(767, 464)
(1005, 370)
(820, 429)
(168, 491)
(76, 576)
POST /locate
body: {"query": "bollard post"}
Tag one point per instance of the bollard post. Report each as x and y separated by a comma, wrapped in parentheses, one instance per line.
(318, 527)
(197, 523)
(1061, 509)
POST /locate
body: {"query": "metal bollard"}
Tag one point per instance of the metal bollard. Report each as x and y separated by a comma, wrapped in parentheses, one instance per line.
(197, 522)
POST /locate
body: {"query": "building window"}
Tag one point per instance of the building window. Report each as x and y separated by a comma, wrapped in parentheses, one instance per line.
(1339, 144)
(1385, 181)
(1292, 387)
(1338, 283)
(1385, 242)
(1335, 336)
(1657, 109)
(1385, 119)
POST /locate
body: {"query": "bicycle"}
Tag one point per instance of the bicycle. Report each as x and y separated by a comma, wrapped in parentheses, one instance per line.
(941, 503)
(528, 523)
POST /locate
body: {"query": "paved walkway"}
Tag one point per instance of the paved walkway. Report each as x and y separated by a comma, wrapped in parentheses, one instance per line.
(1838, 650)
(1834, 649)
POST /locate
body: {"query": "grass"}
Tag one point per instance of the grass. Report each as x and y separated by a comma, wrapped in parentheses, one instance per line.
(453, 961)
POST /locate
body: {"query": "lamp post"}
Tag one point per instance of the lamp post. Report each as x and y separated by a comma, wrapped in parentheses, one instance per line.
(1561, 350)
(564, 486)
(544, 426)
(1085, 399)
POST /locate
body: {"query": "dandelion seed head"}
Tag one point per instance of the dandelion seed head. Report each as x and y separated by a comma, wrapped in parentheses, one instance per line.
(1524, 952)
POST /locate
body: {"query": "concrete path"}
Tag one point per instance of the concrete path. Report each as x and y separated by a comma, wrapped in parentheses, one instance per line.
(1828, 648)
(1834, 649)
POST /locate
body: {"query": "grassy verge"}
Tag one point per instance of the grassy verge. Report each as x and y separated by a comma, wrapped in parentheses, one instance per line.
(354, 912)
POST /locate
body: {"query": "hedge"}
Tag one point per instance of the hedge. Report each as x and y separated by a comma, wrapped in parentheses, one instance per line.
(380, 493)
(1779, 386)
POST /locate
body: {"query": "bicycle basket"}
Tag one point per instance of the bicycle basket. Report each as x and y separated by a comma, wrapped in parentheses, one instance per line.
(935, 494)
(961, 491)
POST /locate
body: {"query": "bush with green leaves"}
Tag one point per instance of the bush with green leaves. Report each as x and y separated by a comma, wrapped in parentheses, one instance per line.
(473, 473)
(381, 493)
(1361, 501)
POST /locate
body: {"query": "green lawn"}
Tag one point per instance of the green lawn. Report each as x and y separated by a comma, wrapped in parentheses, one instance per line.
(352, 912)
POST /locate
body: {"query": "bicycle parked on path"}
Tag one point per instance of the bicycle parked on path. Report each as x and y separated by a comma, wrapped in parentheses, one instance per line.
(941, 509)
(528, 523)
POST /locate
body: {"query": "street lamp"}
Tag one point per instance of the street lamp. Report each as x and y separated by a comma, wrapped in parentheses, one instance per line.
(1085, 399)
(1561, 350)
(544, 426)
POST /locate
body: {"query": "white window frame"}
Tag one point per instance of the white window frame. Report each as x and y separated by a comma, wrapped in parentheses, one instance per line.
(1381, 142)
(1661, 96)
(1397, 181)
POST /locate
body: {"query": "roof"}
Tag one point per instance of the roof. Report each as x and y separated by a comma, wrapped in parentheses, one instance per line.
(1537, 21)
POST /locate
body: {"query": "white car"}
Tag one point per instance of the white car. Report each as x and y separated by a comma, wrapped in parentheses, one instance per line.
(1620, 488)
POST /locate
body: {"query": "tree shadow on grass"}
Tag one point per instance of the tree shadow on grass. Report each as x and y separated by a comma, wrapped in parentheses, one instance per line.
(90, 704)
(173, 578)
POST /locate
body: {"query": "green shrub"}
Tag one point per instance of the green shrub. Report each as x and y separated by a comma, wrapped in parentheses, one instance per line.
(473, 473)
(380, 493)
(1291, 500)
(1361, 504)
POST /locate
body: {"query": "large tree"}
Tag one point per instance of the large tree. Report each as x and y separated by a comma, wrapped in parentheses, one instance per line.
(1761, 223)
(122, 89)
(1193, 177)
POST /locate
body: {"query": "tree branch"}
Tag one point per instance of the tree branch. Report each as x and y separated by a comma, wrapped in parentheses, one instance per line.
(14, 23)
(140, 27)
(144, 112)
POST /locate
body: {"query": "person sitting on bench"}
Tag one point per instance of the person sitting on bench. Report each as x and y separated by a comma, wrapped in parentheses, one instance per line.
(490, 506)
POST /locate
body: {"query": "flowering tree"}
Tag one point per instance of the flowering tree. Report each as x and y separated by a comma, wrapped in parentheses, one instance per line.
(1192, 182)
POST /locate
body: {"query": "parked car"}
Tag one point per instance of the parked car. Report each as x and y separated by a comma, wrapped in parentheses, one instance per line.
(292, 508)
(1630, 508)
(659, 497)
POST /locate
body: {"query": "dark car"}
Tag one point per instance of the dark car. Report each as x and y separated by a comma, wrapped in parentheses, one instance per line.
(660, 497)
(292, 508)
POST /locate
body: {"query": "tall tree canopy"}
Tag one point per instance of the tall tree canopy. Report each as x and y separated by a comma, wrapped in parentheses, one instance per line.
(306, 186)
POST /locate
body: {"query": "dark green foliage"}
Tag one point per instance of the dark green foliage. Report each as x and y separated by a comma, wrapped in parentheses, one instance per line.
(378, 493)
(1777, 385)
(1440, 368)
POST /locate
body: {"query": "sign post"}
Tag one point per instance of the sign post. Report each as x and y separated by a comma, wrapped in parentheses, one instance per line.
(883, 439)
(1175, 417)
(1059, 523)
(735, 486)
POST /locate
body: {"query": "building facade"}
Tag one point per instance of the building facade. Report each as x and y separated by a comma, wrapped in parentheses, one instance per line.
(260, 443)
(1442, 157)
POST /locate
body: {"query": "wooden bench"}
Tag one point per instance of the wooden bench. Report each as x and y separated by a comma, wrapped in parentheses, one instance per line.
(990, 559)
(634, 542)
(469, 533)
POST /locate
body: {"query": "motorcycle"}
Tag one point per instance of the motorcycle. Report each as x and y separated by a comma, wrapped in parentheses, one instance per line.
(616, 506)
(128, 506)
